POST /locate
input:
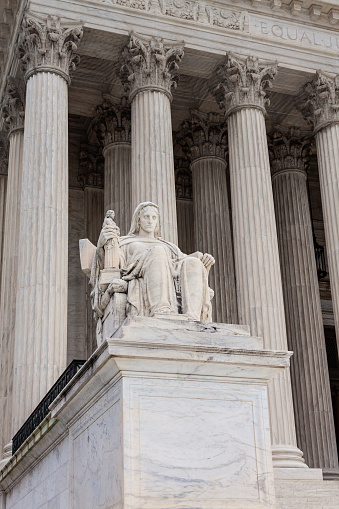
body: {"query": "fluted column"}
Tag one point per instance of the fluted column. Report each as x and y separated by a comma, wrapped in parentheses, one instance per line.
(242, 85)
(305, 332)
(47, 53)
(3, 189)
(13, 113)
(149, 74)
(112, 124)
(321, 107)
(91, 177)
(204, 139)
(184, 195)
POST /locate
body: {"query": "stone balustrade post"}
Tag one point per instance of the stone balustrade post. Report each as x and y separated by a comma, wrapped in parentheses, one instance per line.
(305, 332)
(319, 102)
(112, 124)
(241, 89)
(13, 113)
(204, 139)
(149, 74)
(47, 52)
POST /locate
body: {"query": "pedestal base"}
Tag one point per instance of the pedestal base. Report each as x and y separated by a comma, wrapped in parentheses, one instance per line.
(164, 415)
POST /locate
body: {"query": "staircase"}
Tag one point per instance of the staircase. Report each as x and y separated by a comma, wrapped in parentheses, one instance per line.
(307, 494)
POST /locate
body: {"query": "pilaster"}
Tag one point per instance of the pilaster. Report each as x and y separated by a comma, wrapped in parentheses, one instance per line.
(305, 332)
(242, 85)
(47, 50)
(204, 140)
(149, 73)
(184, 195)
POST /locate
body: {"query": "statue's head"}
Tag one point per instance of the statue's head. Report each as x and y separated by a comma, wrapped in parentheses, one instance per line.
(146, 212)
(110, 213)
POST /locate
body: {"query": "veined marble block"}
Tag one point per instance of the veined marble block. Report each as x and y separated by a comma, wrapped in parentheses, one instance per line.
(165, 414)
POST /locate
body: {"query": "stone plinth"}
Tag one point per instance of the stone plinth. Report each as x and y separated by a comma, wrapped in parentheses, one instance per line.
(165, 414)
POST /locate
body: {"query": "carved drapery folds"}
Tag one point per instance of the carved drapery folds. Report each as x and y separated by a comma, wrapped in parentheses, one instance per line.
(49, 45)
(288, 151)
(183, 178)
(319, 101)
(112, 121)
(205, 134)
(13, 109)
(4, 147)
(243, 82)
(91, 167)
(151, 63)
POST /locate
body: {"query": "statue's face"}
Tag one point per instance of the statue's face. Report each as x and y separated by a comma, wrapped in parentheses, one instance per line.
(148, 220)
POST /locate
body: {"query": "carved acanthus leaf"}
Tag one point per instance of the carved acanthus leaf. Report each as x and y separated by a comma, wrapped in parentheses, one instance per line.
(49, 43)
(319, 100)
(205, 134)
(243, 81)
(288, 150)
(91, 167)
(4, 148)
(112, 121)
(150, 63)
(13, 107)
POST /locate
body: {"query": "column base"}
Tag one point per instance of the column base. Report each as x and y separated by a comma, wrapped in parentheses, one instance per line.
(285, 456)
(330, 474)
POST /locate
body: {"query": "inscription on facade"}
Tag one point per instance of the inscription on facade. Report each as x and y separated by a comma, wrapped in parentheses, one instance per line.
(292, 34)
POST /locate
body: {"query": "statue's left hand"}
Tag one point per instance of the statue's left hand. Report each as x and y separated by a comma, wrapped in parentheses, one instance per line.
(207, 260)
(117, 286)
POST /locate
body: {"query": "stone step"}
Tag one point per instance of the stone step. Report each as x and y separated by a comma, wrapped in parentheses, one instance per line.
(303, 494)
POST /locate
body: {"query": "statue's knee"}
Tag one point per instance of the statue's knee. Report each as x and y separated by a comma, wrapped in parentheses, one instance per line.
(193, 263)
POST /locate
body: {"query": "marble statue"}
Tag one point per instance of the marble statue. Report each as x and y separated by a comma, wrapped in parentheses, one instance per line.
(158, 279)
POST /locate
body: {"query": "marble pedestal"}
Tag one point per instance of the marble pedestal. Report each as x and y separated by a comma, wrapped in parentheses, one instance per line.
(165, 414)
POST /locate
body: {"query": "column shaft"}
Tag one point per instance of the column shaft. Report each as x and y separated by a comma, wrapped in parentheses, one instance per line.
(305, 332)
(260, 297)
(117, 194)
(41, 318)
(3, 189)
(212, 230)
(185, 226)
(327, 140)
(9, 283)
(152, 167)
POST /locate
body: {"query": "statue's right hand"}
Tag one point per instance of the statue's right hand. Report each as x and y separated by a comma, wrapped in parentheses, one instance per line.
(107, 233)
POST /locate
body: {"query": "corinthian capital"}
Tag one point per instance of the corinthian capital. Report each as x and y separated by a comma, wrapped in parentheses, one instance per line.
(112, 121)
(205, 134)
(150, 63)
(13, 108)
(319, 100)
(288, 151)
(244, 82)
(4, 147)
(49, 45)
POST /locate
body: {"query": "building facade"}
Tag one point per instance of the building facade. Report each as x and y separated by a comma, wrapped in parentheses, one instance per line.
(225, 114)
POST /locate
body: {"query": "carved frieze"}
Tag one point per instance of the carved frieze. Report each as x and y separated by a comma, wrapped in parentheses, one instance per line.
(150, 63)
(13, 108)
(112, 121)
(288, 150)
(319, 100)
(49, 45)
(183, 178)
(243, 82)
(204, 134)
(91, 167)
(4, 148)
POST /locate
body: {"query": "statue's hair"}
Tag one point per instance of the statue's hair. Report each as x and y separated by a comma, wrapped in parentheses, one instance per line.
(135, 224)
